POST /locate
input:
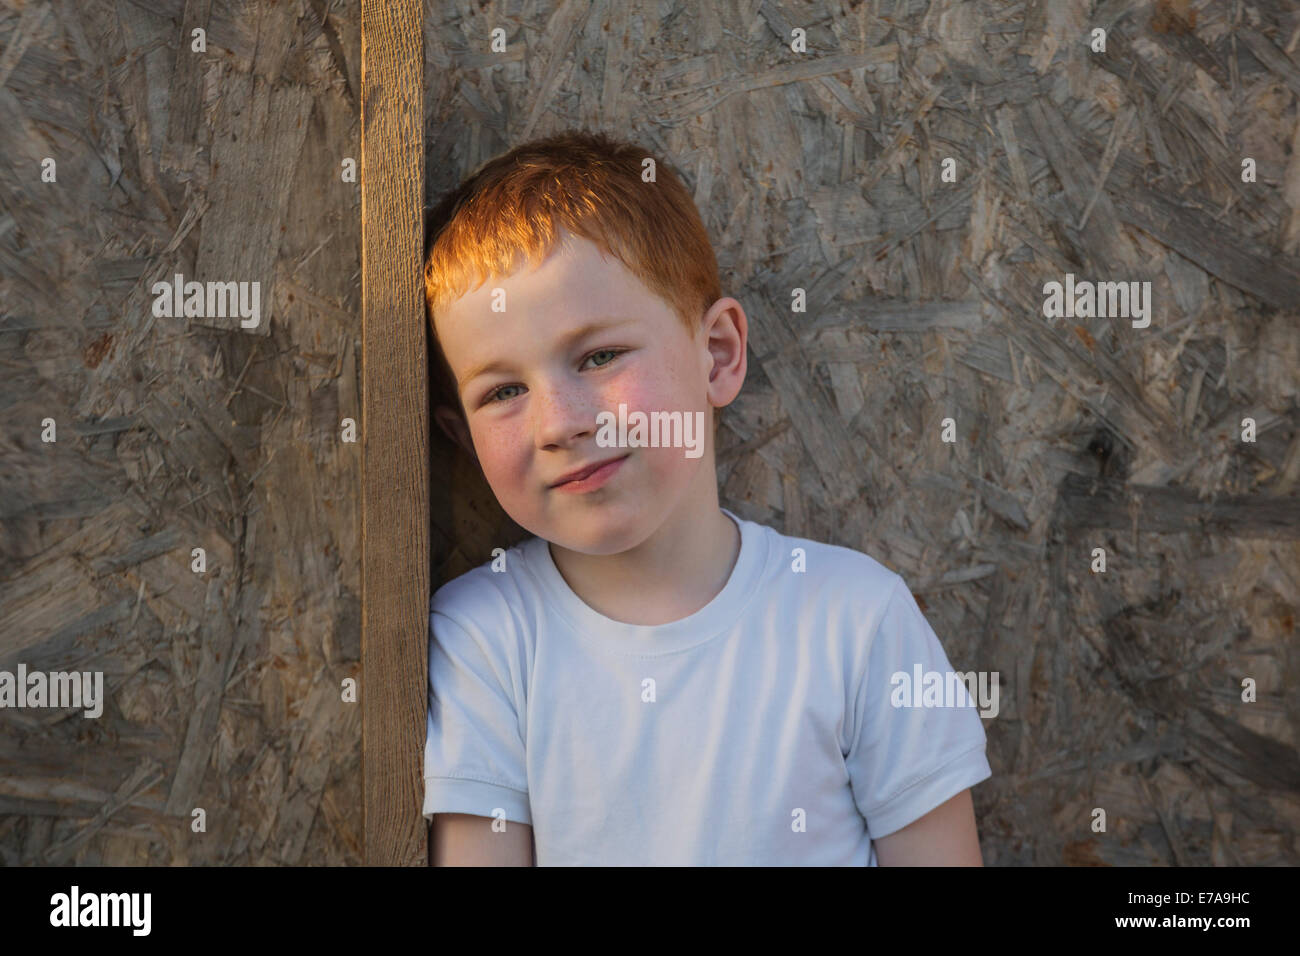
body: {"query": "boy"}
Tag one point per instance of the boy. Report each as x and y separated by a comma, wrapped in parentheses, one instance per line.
(650, 680)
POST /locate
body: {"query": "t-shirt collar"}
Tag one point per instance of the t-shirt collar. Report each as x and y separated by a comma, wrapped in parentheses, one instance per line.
(651, 640)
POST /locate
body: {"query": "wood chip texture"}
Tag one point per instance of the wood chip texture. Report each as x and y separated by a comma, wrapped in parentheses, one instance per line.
(222, 688)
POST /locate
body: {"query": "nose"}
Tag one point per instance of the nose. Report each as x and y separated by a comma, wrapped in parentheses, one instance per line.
(563, 413)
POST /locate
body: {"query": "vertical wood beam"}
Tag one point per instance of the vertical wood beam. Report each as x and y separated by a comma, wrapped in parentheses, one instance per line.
(394, 429)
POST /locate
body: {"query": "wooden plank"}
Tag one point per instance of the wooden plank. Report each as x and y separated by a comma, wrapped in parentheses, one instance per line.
(1273, 277)
(1107, 503)
(257, 142)
(395, 454)
(1106, 247)
(215, 665)
(1267, 52)
(187, 76)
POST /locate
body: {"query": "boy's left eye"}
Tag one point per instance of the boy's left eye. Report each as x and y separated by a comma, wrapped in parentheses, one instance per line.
(613, 352)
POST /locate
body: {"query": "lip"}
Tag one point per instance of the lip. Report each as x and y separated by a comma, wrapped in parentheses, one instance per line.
(596, 474)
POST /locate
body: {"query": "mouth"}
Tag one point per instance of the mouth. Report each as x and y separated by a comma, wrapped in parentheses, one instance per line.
(590, 476)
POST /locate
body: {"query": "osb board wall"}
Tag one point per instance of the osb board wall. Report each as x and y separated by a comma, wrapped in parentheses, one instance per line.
(223, 688)
(823, 171)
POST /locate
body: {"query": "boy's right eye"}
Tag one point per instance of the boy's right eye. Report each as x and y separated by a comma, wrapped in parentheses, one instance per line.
(491, 396)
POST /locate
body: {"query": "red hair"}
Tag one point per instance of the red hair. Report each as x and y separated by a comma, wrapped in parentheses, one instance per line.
(507, 213)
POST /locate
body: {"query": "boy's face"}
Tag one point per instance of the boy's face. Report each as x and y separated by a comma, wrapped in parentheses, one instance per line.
(532, 413)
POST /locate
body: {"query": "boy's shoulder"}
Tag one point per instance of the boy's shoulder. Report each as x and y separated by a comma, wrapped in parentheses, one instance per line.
(828, 571)
(488, 591)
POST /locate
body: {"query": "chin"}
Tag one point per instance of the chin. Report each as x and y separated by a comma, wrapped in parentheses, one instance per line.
(598, 532)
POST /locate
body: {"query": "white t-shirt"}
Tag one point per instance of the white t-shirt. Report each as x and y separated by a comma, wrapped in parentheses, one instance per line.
(757, 731)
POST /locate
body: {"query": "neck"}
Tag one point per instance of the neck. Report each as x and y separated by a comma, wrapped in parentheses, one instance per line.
(670, 575)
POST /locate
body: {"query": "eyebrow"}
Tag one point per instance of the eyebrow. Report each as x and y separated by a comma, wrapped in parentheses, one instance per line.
(581, 332)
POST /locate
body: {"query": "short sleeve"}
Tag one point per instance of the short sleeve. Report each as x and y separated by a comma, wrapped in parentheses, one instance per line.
(905, 760)
(474, 750)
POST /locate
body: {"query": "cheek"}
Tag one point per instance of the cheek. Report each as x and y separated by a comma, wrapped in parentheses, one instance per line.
(500, 450)
(668, 467)
(662, 392)
(642, 391)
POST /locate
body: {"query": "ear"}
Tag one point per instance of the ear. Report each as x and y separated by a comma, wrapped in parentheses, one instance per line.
(454, 427)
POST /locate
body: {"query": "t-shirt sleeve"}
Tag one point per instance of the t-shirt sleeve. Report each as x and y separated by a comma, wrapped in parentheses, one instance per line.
(904, 761)
(474, 749)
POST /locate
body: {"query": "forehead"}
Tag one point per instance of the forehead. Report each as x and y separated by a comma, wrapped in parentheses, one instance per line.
(573, 283)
